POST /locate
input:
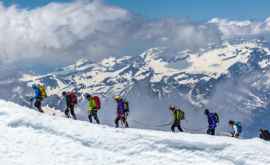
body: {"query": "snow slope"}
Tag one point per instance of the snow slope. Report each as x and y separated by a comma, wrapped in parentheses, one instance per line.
(28, 137)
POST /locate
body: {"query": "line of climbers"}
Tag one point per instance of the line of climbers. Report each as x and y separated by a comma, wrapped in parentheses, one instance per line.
(213, 120)
(94, 105)
(122, 111)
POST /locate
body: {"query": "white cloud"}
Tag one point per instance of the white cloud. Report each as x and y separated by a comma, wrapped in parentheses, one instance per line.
(67, 31)
(232, 29)
(60, 30)
(63, 32)
(180, 35)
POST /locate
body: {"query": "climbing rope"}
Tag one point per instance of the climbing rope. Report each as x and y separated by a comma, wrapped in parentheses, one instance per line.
(167, 124)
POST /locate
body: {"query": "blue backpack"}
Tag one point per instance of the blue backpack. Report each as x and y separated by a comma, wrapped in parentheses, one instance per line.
(239, 127)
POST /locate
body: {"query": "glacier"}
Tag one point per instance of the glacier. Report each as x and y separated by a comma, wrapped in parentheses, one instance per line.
(30, 138)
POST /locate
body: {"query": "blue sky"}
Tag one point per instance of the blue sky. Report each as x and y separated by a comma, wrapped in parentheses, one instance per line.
(198, 9)
(31, 3)
(191, 9)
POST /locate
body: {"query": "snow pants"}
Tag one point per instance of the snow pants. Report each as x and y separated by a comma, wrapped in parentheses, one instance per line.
(211, 131)
(177, 125)
(93, 114)
(70, 110)
(123, 119)
(38, 103)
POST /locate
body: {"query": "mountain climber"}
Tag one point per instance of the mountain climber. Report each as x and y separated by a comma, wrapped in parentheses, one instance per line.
(122, 111)
(264, 134)
(237, 128)
(213, 119)
(93, 107)
(178, 115)
(71, 101)
(40, 94)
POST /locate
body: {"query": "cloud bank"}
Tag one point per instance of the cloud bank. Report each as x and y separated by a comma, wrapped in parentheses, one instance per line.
(178, 34)
(63, 32)
(247, 28)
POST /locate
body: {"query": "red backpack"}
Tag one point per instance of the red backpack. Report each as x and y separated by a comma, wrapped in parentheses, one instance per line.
(97, 101)
(72, 98)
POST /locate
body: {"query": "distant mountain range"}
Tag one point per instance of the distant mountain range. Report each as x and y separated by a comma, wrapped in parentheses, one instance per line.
(230, 77)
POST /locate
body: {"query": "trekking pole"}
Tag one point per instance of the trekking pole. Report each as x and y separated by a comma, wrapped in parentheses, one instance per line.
(124, 123)
(31, 102)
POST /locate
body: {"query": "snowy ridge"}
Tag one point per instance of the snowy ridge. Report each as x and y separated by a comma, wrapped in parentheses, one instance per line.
(114, 75)
(28, 137)
(218, 61)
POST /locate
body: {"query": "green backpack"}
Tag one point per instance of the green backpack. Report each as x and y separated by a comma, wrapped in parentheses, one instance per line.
(126, 106)
(217, 119)
(180, 115)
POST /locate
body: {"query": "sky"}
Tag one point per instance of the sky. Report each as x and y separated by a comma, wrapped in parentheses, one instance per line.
(198, 10)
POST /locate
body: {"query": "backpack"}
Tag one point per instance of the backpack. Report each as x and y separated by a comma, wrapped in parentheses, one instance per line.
(72, 98)
(265, 135)
(126, 106)
(239, 127)
(182, 115)
(97, 101)
(216, 118)
(42, 91)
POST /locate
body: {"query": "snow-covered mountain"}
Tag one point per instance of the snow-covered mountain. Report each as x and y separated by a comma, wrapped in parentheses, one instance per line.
(181, 71)
(29, 138)
(230, 78)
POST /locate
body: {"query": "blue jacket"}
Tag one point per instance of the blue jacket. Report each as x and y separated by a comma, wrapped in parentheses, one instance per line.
(212, 122)
(36, 91)
(121, 107)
